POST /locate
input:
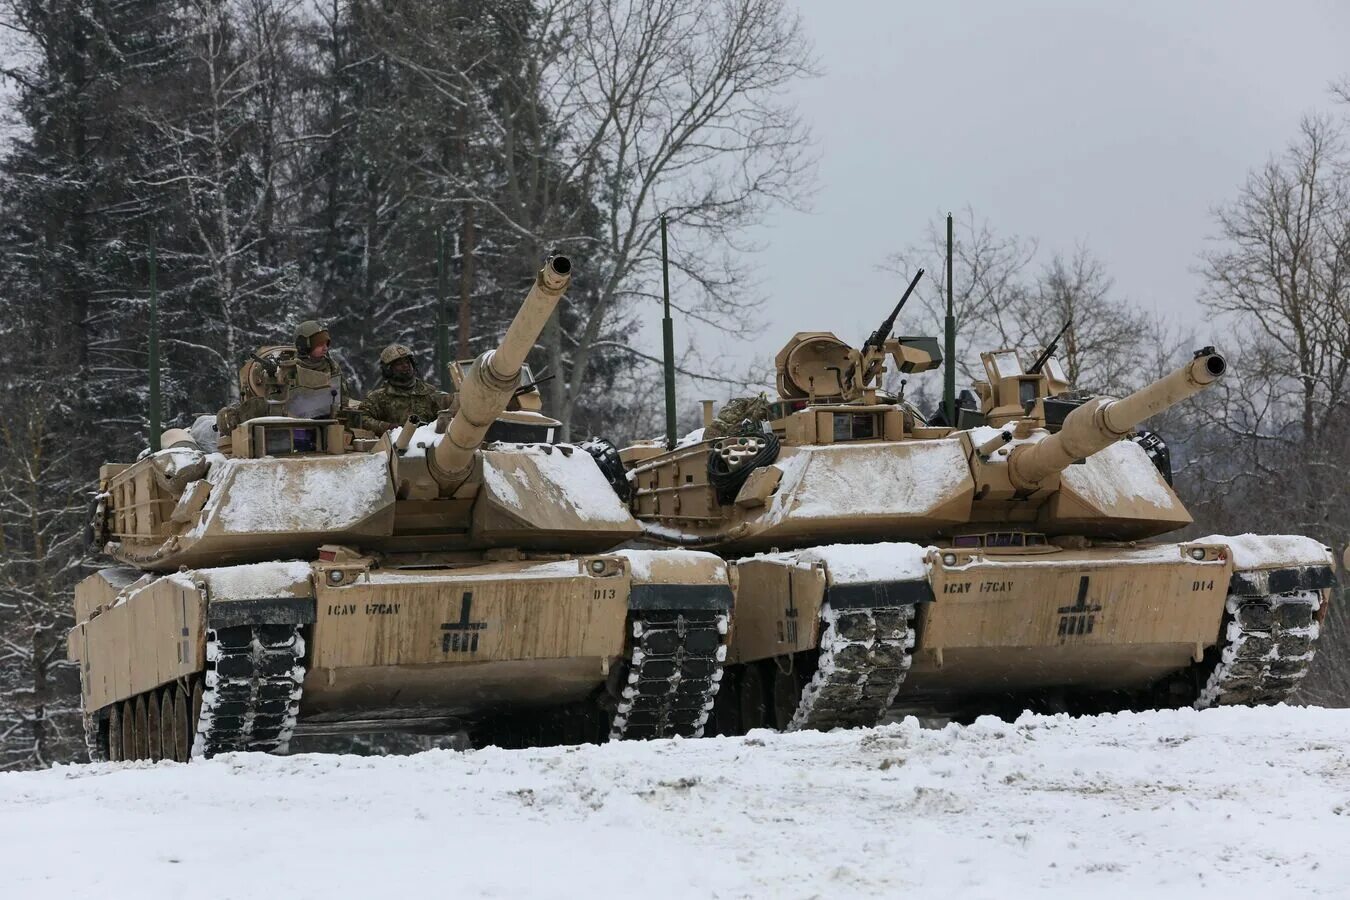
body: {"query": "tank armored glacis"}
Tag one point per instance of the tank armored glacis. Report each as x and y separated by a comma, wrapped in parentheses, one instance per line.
(311, 578)
(1000, 565)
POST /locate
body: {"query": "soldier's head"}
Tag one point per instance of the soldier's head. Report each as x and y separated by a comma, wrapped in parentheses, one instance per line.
(398, 365)
(312, 340)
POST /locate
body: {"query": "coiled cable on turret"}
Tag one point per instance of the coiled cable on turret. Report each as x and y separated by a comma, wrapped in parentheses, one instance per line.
(607, 459)
(727, 477)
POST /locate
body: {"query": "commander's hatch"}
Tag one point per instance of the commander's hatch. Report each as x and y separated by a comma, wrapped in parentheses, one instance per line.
(811, 367)
(523, 421)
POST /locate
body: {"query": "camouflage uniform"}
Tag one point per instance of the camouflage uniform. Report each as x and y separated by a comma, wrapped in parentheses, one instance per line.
(731, 420)
(390, 404)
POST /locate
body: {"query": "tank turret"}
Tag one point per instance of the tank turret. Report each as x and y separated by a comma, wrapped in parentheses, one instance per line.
(1101, 421)
(288, 485)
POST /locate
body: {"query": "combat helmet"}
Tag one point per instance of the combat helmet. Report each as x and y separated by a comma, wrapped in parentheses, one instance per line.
(309, 333)
(392, 354)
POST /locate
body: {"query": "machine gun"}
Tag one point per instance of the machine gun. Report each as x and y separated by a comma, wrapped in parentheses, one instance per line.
(269, 365)
(1049, 350)
(873, 348)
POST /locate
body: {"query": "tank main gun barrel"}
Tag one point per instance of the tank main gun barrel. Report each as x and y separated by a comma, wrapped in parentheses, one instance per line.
(491, 381)
(1102, 421)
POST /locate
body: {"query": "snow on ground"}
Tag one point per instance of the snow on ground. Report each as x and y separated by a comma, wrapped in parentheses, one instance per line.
(1225, 803)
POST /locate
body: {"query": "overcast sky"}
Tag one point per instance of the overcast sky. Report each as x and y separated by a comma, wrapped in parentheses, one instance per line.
(1121, 125)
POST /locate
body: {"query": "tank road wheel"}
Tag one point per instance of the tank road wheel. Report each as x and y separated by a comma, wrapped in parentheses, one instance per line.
(154, 726)
(726, 715)
(140, 729)
(785, 689)
(179, 725)
(166, 750)
(753, 696)
(128, 729)
(115, 753)
(195, 714)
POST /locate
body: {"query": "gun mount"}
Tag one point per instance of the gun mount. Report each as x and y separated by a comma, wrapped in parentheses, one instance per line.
(1102, 421)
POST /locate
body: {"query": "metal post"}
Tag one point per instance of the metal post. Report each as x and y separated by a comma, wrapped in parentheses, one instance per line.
(154, 348)
(442, 314)
(949, 373)
(668, 338)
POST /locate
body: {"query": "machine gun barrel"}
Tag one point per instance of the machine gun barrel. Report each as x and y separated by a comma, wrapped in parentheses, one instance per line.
(1049, 350)
(1102, 421)
(878, 337)
(492, 380)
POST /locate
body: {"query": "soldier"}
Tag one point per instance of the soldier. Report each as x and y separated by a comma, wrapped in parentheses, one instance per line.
(306, 385)
(742, 415)
(401, 394)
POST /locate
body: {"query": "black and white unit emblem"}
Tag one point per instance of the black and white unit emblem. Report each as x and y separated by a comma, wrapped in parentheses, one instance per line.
(462, 636)
(1078, 620)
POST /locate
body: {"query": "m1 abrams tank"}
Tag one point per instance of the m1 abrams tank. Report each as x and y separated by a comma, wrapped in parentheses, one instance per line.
(1000, 565)
(314, 579)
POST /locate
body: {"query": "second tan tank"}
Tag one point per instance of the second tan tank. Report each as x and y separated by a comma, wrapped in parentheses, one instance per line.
(1009, 563)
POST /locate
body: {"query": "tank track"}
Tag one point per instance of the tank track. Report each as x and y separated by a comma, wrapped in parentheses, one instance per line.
(674, 670)
(251, 689)
(1269, 645)
(864, 656)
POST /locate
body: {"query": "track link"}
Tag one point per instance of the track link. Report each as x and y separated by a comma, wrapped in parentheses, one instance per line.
(1269, 645)
(251, 689)
(674, 670)
(864, 656)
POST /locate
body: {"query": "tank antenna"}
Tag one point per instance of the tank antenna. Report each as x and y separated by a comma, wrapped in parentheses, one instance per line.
(668, 340)
(442, 312)
(154, 346)
(949, 371)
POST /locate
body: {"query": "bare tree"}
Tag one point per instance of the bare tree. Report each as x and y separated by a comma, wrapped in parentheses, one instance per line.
(223, 149)
(1280, 276)
(1283, 273)
(1001, 301)
(624, 111)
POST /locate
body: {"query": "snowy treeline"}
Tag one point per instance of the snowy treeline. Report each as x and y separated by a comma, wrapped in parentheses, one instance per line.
(295, 160)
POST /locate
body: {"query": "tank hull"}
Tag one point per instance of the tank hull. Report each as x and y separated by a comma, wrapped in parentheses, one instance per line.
(256, 653)
(964, 632)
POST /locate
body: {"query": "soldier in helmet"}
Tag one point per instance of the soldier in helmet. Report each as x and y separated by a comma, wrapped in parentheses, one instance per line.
(311, 344)
(401, 394)
(743, 415)
(306, 384)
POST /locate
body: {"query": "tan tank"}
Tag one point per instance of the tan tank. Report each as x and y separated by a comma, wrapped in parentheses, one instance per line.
(884, 562)
(312, 579)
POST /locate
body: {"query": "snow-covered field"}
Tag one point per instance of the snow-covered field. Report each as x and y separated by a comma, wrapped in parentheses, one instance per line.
(1225, 803)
